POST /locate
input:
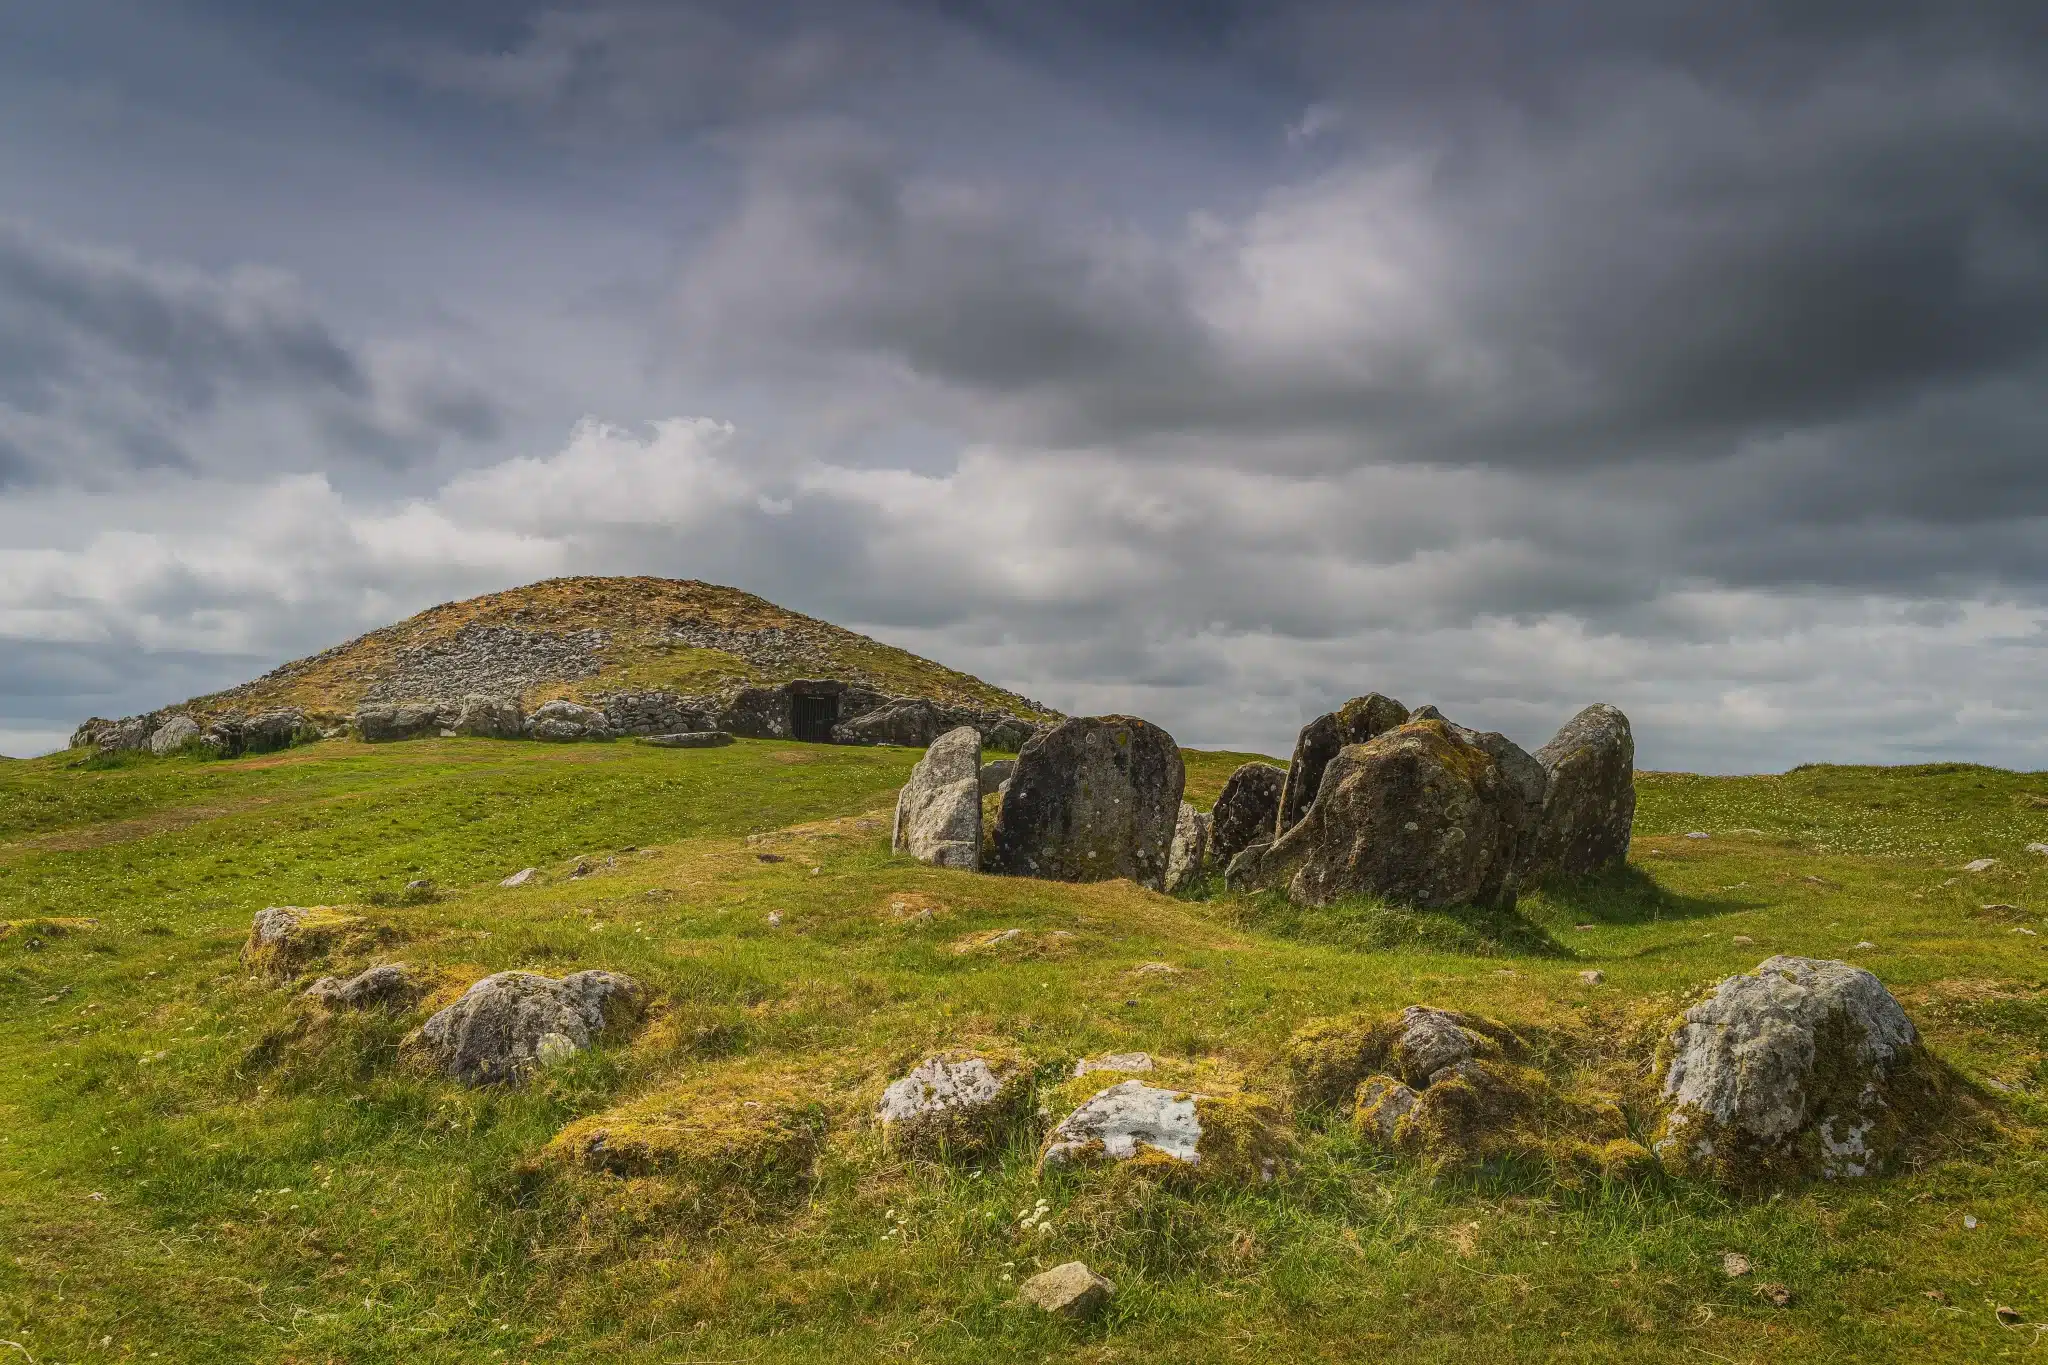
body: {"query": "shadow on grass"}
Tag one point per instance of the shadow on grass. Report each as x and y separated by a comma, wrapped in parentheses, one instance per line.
(1625, 895)
(1366, 925)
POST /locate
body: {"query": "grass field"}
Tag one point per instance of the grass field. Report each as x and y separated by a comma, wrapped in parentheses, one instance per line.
(193, 1167)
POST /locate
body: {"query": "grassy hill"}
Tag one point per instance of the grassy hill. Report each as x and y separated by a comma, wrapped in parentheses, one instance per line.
(582, 638)
(194, 1168)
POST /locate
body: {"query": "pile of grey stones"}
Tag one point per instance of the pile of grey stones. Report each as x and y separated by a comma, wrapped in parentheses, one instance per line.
(865, 716)
(1377, 800)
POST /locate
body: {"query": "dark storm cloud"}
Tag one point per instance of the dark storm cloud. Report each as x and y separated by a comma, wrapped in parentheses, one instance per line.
(109, 363)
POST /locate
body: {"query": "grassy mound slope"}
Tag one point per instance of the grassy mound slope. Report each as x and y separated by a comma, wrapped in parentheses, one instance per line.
(193, 1165)
(645, 625)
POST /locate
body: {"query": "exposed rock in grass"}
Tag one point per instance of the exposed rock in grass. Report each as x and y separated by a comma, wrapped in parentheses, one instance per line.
(1355, 722)
(173, 735)
(729, 1142)
(285, 938)
(1068, 1291)
(383, 723)
(567, 721)
(1133, 1062)
(1802, 1067)
(489, 717)
(938, 812)
(1589, 796)
(1185, 859)
(1095, 798)
(522, 877)
(385, 986)
(690, 739)
(1242, 871)
(1236, 1138)
(1246, 810)
(956, 1101)
(507, 1024)
(1329, 1058)
(1420, 815)
(1384, 1104)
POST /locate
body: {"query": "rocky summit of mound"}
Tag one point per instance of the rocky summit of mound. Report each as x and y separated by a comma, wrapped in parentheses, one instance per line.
(648, 653)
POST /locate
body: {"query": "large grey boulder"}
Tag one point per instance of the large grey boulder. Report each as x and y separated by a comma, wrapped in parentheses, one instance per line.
(910, 722)
(123, 736)
(1185, 859)
(938, 812)
(269, 731)
(995, 773)
(1802, 1067)
(1419, 815)
(1589, 800)
(1125, 1121)
(383, 724)
(1094, 798)
(506, 1025)
(173, 735)
(567, 721)
(1355, 722)
(1007, 734)
(1247, 810)
(487, 717)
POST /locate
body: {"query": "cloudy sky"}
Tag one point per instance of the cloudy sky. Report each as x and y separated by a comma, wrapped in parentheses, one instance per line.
(1210, 361)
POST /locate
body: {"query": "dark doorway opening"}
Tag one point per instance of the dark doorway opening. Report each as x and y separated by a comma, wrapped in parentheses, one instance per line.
(811, 718)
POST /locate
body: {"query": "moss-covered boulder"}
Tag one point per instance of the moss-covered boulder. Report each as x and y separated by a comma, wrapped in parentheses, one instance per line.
(726, 1143)
(1355, 722)
(1329, 1058)
(1803, 1067)
(1245, 811)
(1589, 796)
(958, 1101)
(505, 1026)
(285, 939)
(386, 986)
(1422, 815)
(1236, 1138)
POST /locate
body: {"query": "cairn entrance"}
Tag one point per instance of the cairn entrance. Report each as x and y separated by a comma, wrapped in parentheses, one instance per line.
(812, 716)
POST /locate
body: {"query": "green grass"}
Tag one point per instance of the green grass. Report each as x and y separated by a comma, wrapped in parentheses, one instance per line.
(191, 1169)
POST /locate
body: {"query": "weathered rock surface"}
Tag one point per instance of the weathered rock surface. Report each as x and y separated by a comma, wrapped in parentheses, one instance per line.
(1419, 815)
(284, 938)
(1246, 811)
(1240, 1138)
(952, 1101)
(1330, 1057)
(995, 773)
(691, 739)
(488, 717)
(521, 877)
(1189, 852)
(173, 735)
(507, 1024)
(1128, 1118)
(938, 812)
(1589, 800)
(386, 986)
(1096, 797)
(567, 721)
(912, 723)
(1801, 1067)
(383, 723)
(1355, 722)
(1114, 1061)
(1242, 872)
(1071, 1290)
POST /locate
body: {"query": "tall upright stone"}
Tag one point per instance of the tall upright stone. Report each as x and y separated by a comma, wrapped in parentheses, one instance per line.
(1093, 798)
(1420, 815)
(1589, 797)
(1190, 851)
(1246, 811)
(1355, 722)
(938, 812)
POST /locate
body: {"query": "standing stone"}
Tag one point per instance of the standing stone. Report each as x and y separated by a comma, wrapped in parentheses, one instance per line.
(173, 735)
(1094, 798)
(938, 812)
(1247, 810)
(1185, 859)
(1418, 815)
(1355, 722)
(1589, 798)
(1802, 1067)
